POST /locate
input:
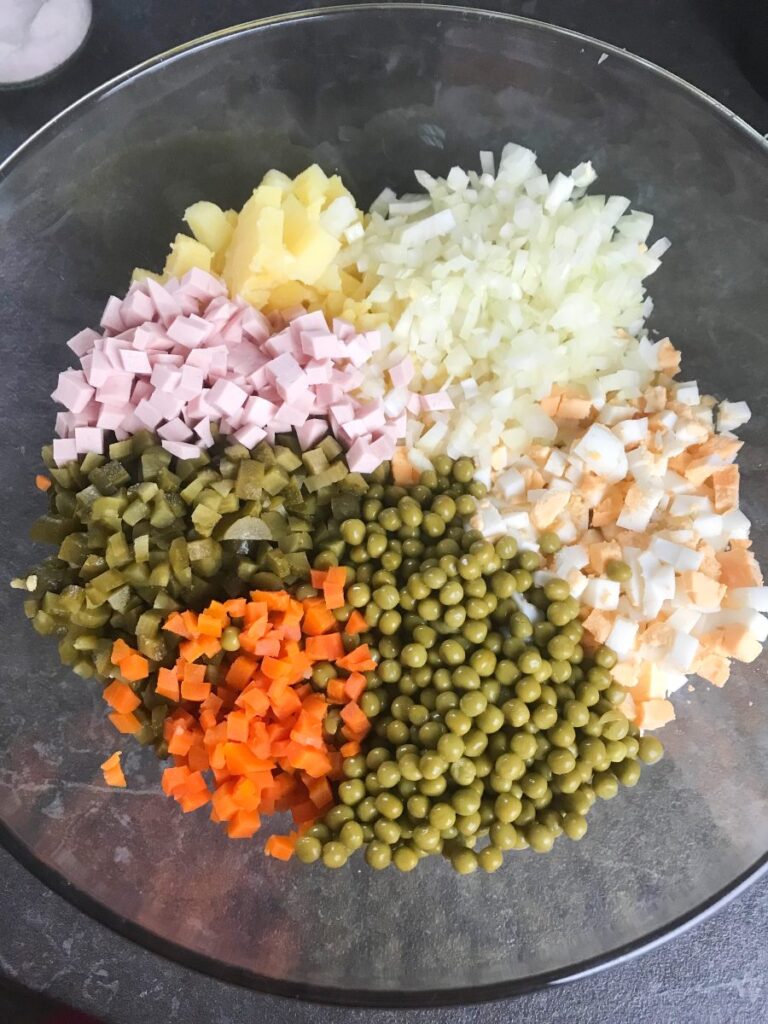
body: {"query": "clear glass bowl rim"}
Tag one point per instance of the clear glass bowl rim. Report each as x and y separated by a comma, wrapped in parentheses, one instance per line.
(59, 884)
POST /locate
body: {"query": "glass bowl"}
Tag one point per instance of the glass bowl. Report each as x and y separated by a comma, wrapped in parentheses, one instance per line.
(373, 92)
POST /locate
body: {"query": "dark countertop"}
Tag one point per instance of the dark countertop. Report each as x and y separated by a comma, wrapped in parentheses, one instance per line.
(717, 973)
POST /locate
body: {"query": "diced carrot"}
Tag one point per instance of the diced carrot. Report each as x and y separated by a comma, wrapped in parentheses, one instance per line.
(258, 733)
(318, 620)
(180, 742)
(194, 801)
(244, 824)
(354, 685)
(281, 847)
(210, 625)
(353, 717)
(235, 607)
(275, 600)
(336, 691)
(176, 624)
(125, 723)
(121, 697)
(134, 667)
(358, 660)
(174, 779)
(328, 647)
(320, 792)
(237, 726)
(167, 683)
(240, 671)
(120, 651)
(255, 701)
(113, 773)
(192, 689)
(317, 577)
(356, 623)
(43, 483)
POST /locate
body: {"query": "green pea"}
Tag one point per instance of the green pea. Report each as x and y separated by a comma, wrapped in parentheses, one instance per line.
(451, 652)
(506, 548)
(605, 785)
(524, 745)
(575, 826)
(528, 689)
(628, 772)
(465, 678)
(534, 785)
(432, 765)
(430, 732)
(464, 862)
(446, 699)
(458, 722)
(351, 835)
(490, 720)
(475, 742)
(370, 704)
(230, 639)
(490, 859)
(442, 816)
(475, 630)
(557, 590)
(529, 661)
(544, 716)
(387, 831)
(650, 750)
(351, 792)
(507, 807)
(473, 703)
(335, 854)
(561, 762)
(418, 806)
(558, 615)
(562, 735)
(516, 712)
(465, 801)
(386, 597)
(605, 657)
(503, 836)
(353, 531)
(469, 567)
(549, 543)
(378, 855)
(463, 471)
(414, 655)
(462, 771)
(451, 593)
(599, 677)
(618, 571)
(588, 694)
(338, 816)
(388, 774)
(454, 617)
(308, 849)
(576, 713)
(483, 662)
(450, 747)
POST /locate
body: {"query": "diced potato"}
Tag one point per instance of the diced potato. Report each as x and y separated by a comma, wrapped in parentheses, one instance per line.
(209, 225)
(310, 185)
(140, 274)
(281, 249)
(186, 253)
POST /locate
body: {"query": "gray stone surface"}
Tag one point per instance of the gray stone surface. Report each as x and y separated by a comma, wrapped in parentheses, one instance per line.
(715, 973)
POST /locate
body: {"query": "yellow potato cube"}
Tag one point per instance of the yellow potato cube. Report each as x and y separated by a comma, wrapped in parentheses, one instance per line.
(310, 185)
(185, 254)
(209, 225)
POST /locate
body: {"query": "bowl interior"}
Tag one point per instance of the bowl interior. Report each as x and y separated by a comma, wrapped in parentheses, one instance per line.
(374, 93)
